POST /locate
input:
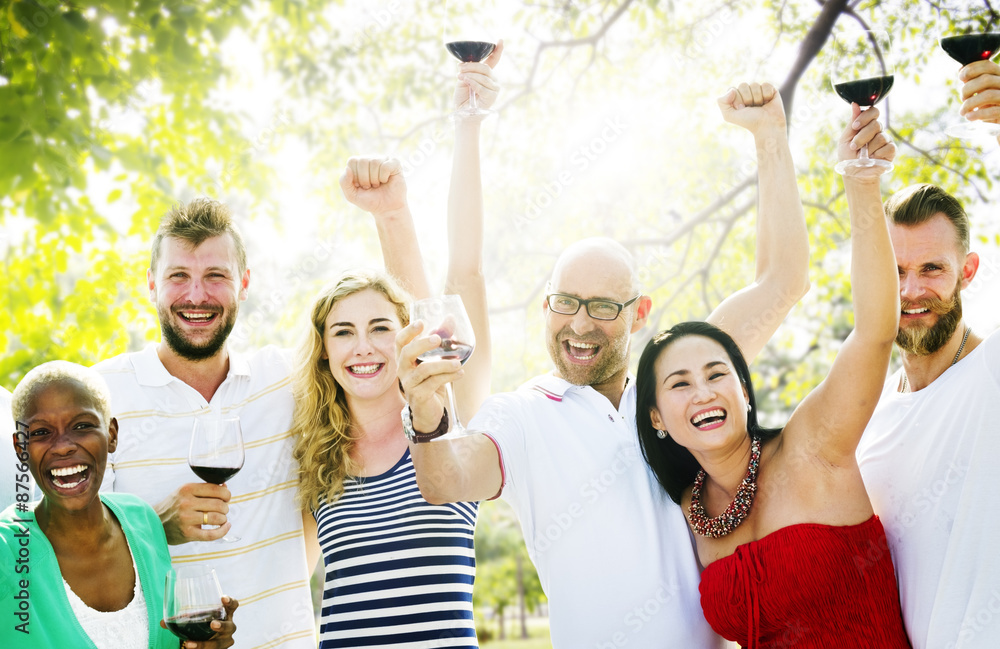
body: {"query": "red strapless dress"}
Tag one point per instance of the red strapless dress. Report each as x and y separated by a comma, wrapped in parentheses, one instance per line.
(806, 586)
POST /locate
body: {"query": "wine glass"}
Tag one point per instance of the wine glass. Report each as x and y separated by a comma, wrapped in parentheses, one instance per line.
(977, 38)
(468, 39)
(446, 317)
(191, 600)
(862, 74)
(216, 452)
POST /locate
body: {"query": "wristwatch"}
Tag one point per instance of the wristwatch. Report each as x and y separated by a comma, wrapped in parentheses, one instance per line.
(418, 437)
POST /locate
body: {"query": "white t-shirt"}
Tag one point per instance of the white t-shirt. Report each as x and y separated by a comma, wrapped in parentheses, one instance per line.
(266, 569)
(613, 552)
(931, 463)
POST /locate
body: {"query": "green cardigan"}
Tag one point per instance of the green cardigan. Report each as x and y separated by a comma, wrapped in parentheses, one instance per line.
(27, 556)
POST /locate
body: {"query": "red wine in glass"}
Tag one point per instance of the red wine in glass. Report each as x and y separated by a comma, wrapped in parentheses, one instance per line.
(862, 74)
(448, 320)
(216, 452)
(966, 49)
(970, 48)
(194, 625)
(215, 474)
(192, 598)
(449, 350)
(470, 51)
(865, 92)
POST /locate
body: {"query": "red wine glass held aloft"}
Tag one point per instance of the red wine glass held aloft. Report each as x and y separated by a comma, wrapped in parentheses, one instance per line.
(862, 74)
(468, 39)
(976, 37)
(216, 452)
(192, 598)
(446, 317)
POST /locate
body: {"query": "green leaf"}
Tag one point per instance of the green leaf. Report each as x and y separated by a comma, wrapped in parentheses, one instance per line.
(76, 20)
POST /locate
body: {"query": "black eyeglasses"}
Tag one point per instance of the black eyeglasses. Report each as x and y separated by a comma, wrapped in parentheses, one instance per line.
(597, 309)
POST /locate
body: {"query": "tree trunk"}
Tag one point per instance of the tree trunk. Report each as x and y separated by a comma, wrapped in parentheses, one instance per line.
(810, 47)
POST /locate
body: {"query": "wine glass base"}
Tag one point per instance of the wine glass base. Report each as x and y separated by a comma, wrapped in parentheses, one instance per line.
(859, 167)
(973, 130)
(469, 114)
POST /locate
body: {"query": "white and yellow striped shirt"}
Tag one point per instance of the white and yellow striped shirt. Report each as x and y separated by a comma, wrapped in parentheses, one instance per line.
(266, 569)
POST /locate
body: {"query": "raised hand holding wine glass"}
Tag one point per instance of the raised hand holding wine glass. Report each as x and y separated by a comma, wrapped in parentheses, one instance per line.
(862, 74)
(216, 453)
(469, 39)
(973, 40)
(446, 318)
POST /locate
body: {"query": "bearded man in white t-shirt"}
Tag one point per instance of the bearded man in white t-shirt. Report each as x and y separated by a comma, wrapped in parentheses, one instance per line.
(930, 454)
(613, 552)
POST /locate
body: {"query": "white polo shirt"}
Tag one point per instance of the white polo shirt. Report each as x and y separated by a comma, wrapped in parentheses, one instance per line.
(931, 464)
(614, 554)
(266, 570)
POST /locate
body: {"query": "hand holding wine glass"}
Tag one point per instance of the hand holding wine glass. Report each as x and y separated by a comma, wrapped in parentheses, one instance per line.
(862, 74)
(477, 88)
(468, 36)
(195, 610)
(216, 452)
(973, 42)
(865, 131)
(446, 318)
(981, 92)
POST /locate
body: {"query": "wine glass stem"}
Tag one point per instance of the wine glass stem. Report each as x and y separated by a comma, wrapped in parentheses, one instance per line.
(472, 100)
(864, 153)
(455, 424)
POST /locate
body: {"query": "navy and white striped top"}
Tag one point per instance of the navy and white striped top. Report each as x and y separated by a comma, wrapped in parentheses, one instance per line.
(399, 571)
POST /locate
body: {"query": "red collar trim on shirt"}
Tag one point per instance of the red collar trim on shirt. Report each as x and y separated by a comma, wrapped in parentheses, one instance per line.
(551, 395)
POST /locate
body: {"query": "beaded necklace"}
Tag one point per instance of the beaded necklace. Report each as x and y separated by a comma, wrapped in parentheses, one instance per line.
(737, 511)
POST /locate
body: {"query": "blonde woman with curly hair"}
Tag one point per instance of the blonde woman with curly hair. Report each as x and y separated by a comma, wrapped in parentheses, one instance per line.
(399, 571)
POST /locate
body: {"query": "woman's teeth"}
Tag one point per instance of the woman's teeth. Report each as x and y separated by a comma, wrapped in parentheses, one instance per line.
(59, 476)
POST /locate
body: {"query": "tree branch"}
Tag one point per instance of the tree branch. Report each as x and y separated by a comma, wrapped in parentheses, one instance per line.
(813, 43)
(926, 154)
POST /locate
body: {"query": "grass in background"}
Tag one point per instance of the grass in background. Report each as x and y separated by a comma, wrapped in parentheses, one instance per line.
(538, 632)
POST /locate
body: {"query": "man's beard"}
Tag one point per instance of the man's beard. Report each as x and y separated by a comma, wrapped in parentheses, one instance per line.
(922, 341)
(183, 347)
(613, 358)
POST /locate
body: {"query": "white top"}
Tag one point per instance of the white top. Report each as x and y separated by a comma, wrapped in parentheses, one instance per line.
(266, 570)
(614, 554)
(931, 463)
(127, 628)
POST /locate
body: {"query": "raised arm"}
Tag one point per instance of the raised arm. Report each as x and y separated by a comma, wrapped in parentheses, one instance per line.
(463, 469)
(981, 92)
(465, 230)
(752, 315)
(830, 421)
(376, 185)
